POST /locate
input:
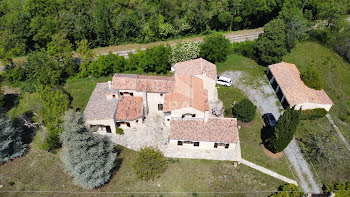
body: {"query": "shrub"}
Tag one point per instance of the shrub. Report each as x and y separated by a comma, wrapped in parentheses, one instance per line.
(215, 48)
(149, 163)
(284, 131)
(155, 59)
(312, 79)
(11, 145)
(14, 74)
(244, 110)
(340, 190)
(119, 131)
(271, 45)
(89, 159)
(313, 114)
(289, 190)
(184, 51)
(245, 48)
(107, 64)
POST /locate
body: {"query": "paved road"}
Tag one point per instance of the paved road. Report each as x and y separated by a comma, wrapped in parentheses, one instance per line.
(265, 99)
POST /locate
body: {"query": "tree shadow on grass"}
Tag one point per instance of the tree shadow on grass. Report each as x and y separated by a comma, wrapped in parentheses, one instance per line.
(266, 133)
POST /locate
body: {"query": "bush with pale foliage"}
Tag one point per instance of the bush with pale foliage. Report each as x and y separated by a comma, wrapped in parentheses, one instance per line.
(184, 51)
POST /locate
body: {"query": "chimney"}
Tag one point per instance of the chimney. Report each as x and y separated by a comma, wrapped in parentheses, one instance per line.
(109, 85)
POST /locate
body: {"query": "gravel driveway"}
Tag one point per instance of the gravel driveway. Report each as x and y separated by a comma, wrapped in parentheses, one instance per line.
(264, 97)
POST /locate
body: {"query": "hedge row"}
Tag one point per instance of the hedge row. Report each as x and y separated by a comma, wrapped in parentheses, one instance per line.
(313, 114)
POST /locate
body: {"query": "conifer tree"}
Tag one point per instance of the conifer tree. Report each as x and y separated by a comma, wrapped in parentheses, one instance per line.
(285, 129)
(90, 160)
(11, 145)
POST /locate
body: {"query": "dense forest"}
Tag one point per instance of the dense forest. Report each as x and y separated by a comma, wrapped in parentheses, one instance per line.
(27, 25)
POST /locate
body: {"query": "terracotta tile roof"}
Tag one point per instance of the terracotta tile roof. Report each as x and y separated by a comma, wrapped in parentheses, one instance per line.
(155, 83)
(98, 107)
(124, 81)
(140, 83)
(295, 91)
(188, 92)
(195, 67)
(129, 108)
(222, 130)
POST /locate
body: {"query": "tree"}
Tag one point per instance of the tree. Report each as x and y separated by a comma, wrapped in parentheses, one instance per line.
(215, 48)
(43, 108)
(86, 55)
(11, 142)
(149, 163)
(296, 24)
(184, 51)
(288, 190)
(60, 49)
(154, 59)
(271, 45)
(244, 110)
(331, 10)
(284, 131)
(90, 160)
(312, 78)
(42, 70)
(107, 64)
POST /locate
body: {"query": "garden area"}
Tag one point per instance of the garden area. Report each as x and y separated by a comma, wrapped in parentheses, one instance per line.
(43, 171)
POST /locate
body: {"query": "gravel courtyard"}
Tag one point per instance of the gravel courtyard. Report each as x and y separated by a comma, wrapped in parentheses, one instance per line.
(153, 132)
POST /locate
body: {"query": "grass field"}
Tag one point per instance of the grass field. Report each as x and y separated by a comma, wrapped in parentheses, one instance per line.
(42, 171)
(251, 145)
(338, 171)
(236, 62)
(81, 90)
(335, 72)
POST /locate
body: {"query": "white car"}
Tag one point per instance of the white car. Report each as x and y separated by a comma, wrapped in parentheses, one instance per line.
(224, 81)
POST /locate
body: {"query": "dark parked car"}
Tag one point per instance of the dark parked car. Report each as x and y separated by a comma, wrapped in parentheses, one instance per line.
(269, 120)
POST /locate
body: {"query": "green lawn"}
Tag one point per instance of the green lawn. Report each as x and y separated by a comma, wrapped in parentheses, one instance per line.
(336, 74)
(81, 90)
(249, 134)
(42, 171)
(236, 62)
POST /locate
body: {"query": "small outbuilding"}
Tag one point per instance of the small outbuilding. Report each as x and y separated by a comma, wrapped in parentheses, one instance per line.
(291, 90)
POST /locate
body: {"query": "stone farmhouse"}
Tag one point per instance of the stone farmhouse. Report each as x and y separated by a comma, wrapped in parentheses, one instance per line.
(291, 90)
(186, 102)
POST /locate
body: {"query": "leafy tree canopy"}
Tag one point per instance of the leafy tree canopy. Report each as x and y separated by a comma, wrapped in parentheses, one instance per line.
(215, 48)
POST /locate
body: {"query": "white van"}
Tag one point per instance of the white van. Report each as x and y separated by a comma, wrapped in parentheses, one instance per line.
(224, 81)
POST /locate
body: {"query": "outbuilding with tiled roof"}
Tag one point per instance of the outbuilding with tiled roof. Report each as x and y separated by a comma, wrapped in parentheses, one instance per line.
(291, 90)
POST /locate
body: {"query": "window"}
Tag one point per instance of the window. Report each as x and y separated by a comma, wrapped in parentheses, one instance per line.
(196, 144)
(114, 96)
(168, 119)
(121, 94)
(215, 145)
(160, 107)
(227, 145)
(179, 143)
(108, 129)
(193, 115)
(161, 94)
(131, 94)
(137, 121)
